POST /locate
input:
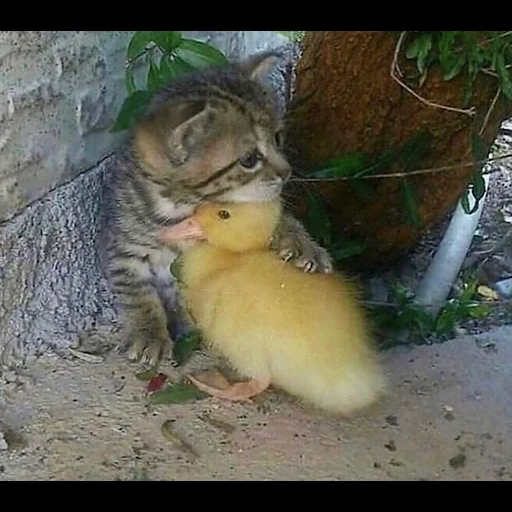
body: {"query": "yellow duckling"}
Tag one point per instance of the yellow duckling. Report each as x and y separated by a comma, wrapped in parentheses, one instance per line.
(303, 333)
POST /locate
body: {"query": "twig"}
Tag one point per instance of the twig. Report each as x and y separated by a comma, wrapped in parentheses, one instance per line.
(413, 173)
(482, 255)
(487, 71)
(489, 112)
(394, 66)
(491, 39)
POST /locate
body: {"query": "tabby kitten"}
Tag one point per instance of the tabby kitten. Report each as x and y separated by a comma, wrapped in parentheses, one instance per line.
(212, 134)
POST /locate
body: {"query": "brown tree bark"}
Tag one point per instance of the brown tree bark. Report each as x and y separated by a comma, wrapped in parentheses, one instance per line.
(345, 101)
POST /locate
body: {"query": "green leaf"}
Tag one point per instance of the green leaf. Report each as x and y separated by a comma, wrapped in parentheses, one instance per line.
(167, 72)
(177, 394)
(167, 41)
(503, 73)
(446, 46)
(133, 106)
(454, 68)
(445, 322)
(343, 166)
(478, 189)
(423, 320)
(130, 81)
(464, 202)
(425, 45)
(469, 291)
(200, 55)
(414, 47)
(153, 78)
(186, 345)
(381, 165)
(138, 44)
(172, 67)
(411, 208)
(180, 66)
(479, 311)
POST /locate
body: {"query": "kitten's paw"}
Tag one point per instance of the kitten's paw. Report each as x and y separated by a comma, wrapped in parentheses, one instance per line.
(148, 351)
(305, 254)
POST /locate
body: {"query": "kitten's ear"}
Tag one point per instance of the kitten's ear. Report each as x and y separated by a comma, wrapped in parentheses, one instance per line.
(198, 116)
(258, 66)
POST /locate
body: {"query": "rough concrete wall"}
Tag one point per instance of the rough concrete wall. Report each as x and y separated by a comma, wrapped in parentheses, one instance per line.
(59, 94)
(52, 288)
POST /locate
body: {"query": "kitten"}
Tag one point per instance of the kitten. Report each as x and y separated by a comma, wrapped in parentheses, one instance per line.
(209, 135)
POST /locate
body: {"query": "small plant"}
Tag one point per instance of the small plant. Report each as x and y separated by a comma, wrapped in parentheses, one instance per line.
(356, 166)
(463, 52)
(466, 53)
(162, 56)
(407, 317)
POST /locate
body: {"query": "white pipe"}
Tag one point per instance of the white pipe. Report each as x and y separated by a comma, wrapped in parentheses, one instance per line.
(435, 286)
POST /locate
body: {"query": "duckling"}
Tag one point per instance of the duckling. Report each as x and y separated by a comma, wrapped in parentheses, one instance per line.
(276, 325)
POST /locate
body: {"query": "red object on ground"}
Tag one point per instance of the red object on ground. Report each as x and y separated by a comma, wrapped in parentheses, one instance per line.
(157, 382)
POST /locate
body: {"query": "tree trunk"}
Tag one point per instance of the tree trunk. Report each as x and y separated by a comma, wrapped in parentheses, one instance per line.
(346, 101)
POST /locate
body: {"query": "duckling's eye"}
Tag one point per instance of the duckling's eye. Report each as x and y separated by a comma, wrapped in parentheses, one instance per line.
(250, 160)
(224, 214)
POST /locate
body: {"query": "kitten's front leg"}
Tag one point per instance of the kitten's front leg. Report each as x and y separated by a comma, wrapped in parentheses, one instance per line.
(143, 317)
(292, 242)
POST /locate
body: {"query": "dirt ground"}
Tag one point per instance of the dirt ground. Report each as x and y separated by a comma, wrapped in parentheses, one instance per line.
(446, 417)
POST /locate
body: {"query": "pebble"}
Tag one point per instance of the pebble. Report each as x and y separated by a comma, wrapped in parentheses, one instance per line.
(9, 376)
(504, 287)
(3, 443)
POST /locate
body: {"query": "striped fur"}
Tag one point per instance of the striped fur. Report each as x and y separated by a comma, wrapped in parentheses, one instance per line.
(213, 134)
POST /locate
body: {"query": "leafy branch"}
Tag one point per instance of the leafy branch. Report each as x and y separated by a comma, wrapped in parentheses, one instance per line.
(463, 52)
(162, 56)
(405, 316)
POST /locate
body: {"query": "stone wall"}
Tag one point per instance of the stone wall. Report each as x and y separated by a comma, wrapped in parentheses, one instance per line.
(59, 95)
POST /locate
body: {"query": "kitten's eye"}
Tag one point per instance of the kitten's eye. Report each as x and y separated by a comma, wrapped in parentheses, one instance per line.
(250, 160)
(279, 138)
(224, 214)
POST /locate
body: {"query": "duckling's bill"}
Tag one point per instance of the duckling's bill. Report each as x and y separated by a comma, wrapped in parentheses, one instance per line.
(187, 229)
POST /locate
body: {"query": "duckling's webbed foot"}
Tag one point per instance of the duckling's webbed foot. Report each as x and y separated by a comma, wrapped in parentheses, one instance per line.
(238, 392)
